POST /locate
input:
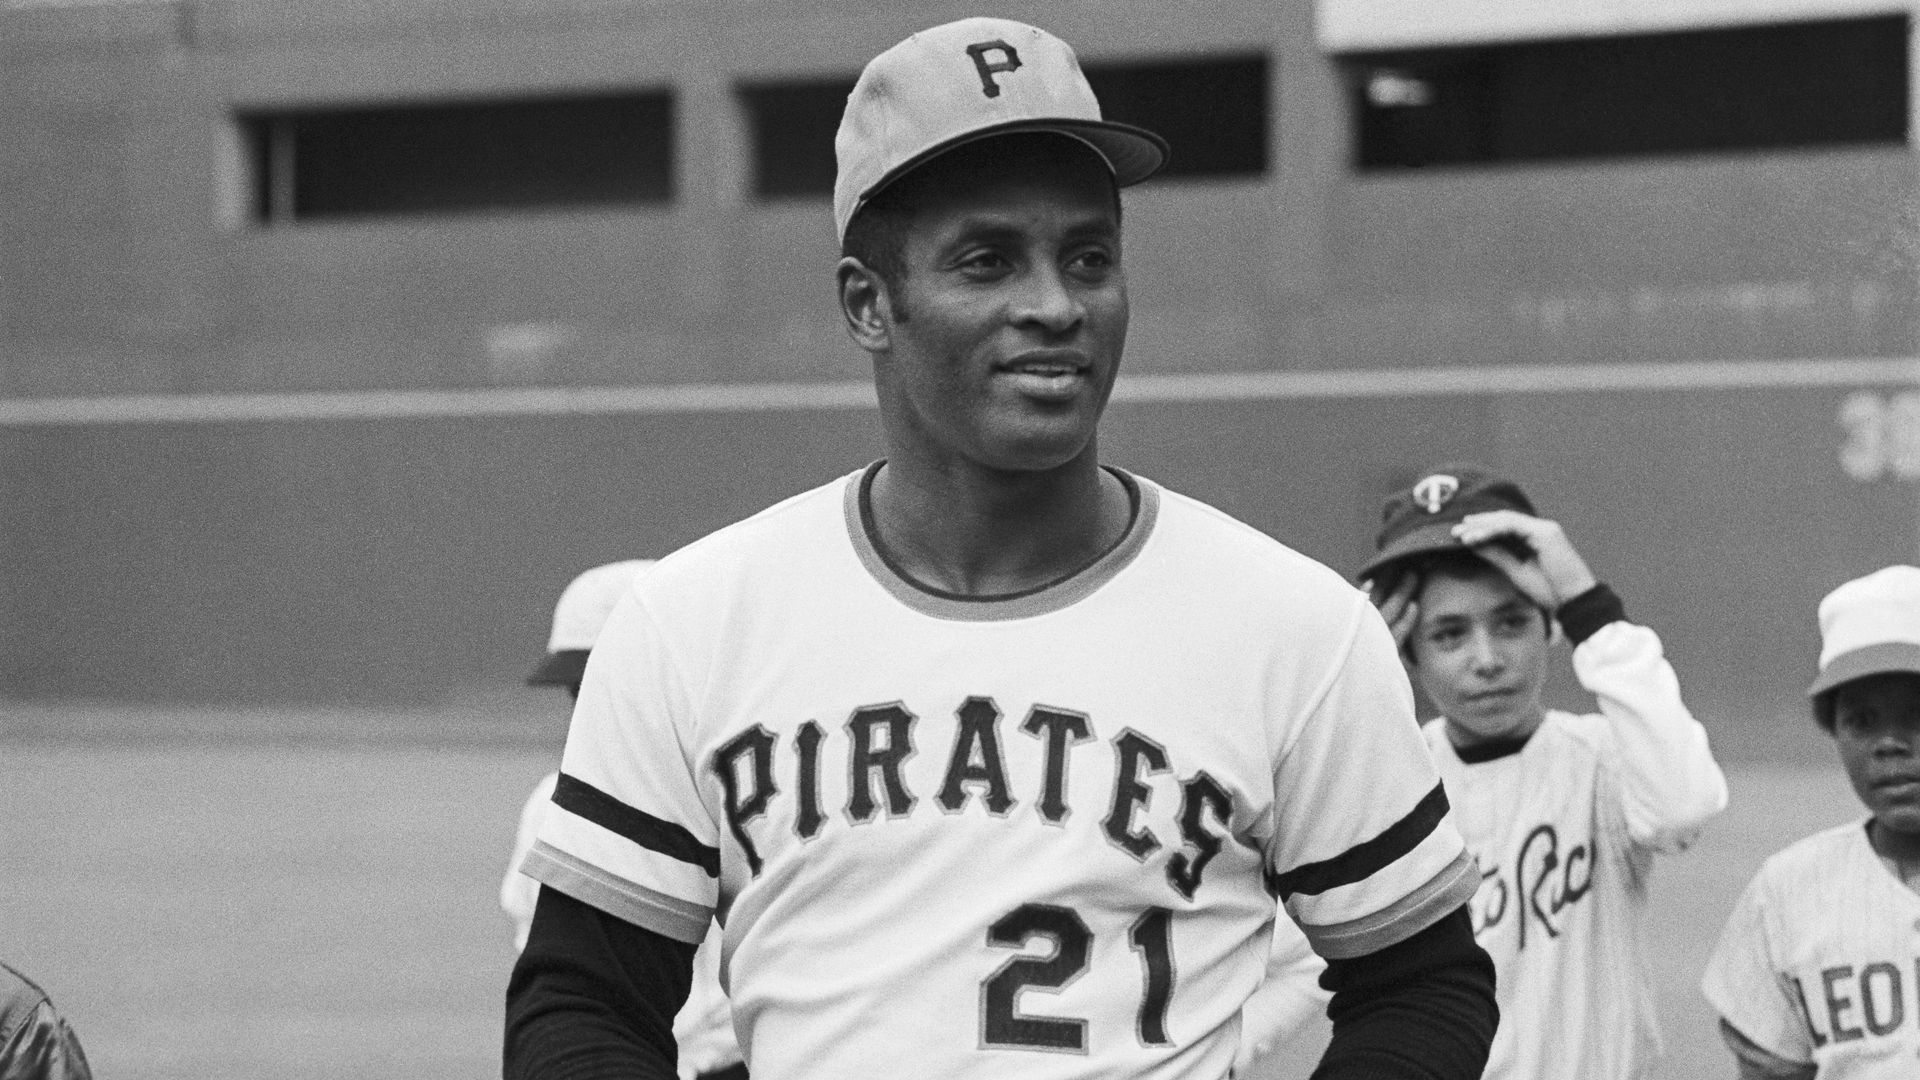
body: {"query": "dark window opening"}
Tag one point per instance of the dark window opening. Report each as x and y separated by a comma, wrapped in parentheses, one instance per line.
(1212, 111)
(1710, 91)
(791, 127)
(472, 156)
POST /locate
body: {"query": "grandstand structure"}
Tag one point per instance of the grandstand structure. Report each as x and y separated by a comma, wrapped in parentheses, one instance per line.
(335, 337)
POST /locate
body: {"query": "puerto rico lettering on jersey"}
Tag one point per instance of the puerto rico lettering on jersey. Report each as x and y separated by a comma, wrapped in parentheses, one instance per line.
(1536, 887)
(880, 738)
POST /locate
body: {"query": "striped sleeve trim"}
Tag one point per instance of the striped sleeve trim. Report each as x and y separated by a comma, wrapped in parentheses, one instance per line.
(1419, 909)
(641, 906)
(582, 799)
(1365, 859)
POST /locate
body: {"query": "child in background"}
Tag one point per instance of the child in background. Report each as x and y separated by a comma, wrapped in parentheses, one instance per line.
(1563, 811)
(1814, 975)
(704, 1026)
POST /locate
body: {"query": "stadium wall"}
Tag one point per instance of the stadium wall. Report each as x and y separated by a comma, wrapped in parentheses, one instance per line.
(326, 461)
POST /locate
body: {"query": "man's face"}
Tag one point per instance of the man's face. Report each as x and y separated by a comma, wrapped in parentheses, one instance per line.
(1480, 652)
(1876, 726)
(1006, 333)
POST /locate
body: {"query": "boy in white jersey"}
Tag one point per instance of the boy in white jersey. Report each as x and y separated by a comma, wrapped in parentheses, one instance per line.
(992, 760)
(1817, 974)
(704, 1025)
(1564, 812)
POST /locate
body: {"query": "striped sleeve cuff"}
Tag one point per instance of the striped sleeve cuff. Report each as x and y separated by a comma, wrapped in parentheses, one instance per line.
(1383, 889)
(1443, 893)
(666, 915)
(628, 863)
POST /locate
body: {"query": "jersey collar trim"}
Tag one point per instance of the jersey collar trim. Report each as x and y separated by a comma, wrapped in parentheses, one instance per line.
(1051, 597)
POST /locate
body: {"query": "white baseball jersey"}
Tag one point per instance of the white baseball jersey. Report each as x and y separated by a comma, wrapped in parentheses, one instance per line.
(1817, 963)
(1564, 832)
(1287, 1003)
(704, 1025)
(1035, 836)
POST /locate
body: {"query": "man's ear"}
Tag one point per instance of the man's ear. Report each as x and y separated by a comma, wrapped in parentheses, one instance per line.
(866, 305)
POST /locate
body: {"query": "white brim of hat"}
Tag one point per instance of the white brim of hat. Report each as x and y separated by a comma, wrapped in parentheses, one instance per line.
(1132, 153)
(1880, 659)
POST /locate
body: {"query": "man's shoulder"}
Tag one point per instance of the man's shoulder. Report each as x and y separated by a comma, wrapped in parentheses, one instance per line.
(1828, 855)
(1202, 531)
(811, 518)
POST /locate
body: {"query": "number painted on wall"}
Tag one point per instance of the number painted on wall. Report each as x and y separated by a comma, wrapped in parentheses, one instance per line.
(1880, 435)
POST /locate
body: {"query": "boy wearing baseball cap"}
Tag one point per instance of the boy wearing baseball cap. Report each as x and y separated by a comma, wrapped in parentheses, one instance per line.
(1563, 811)
(992, 758)
(1815, 973)
(704, 1025)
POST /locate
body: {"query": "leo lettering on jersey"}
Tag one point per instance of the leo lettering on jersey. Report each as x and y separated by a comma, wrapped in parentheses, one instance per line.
(1540, 884)
(880, 739)
(1847, 1003)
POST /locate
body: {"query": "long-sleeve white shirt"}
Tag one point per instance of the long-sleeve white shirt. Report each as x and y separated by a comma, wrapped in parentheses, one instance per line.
(1564, 832)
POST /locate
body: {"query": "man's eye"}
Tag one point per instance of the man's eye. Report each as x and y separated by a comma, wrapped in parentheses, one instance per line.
(984, 262)
(1096, 261)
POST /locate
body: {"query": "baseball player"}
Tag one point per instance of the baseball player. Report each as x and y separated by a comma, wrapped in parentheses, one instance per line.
(35, 1041)
(1563, 811)
(992, 759)
(1815, 975)
(704, 1025)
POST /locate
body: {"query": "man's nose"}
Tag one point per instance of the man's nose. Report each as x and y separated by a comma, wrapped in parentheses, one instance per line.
(1048, 300)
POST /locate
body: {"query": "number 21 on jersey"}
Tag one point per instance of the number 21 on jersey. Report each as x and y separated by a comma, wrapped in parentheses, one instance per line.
(1004, 1027)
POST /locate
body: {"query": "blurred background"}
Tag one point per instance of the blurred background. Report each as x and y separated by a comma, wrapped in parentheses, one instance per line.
(335, 338)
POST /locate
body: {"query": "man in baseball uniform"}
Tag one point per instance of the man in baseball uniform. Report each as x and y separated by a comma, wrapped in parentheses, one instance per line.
(1564, 811)
(1817, 974)
(704, 1025)
(992, 760)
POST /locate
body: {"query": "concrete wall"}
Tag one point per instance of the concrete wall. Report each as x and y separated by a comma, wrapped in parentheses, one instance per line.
(409, 557)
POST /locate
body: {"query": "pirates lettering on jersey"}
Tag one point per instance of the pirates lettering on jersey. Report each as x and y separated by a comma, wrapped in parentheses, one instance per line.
(1533, 891)
(880, 739)
(1851, 1002)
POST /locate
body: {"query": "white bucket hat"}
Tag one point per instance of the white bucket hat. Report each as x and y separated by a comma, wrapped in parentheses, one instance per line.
(1868, 626)
(964, 81)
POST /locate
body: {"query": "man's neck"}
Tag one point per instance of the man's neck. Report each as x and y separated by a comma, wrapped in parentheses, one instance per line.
(976, 533)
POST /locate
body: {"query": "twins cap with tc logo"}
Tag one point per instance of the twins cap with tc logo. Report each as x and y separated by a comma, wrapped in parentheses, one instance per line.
(964, 81)
(1420, 517)
(1869, 626)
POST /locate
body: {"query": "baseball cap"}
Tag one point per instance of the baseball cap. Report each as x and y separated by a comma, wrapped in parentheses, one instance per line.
(1420, 518)
(969, 80)
(1868, 626)
(577, 618)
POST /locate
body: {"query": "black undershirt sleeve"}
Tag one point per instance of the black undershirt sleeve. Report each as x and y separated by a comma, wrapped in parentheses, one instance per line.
(1421, 1009)
(593, 997)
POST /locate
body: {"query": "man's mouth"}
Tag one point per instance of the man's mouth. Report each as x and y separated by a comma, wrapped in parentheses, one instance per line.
(1046, 364)
(1907, 784)
(1047, 375)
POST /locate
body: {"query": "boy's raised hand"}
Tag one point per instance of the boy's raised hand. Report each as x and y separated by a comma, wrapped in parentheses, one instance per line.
(1554, 574)
(1398, 607)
